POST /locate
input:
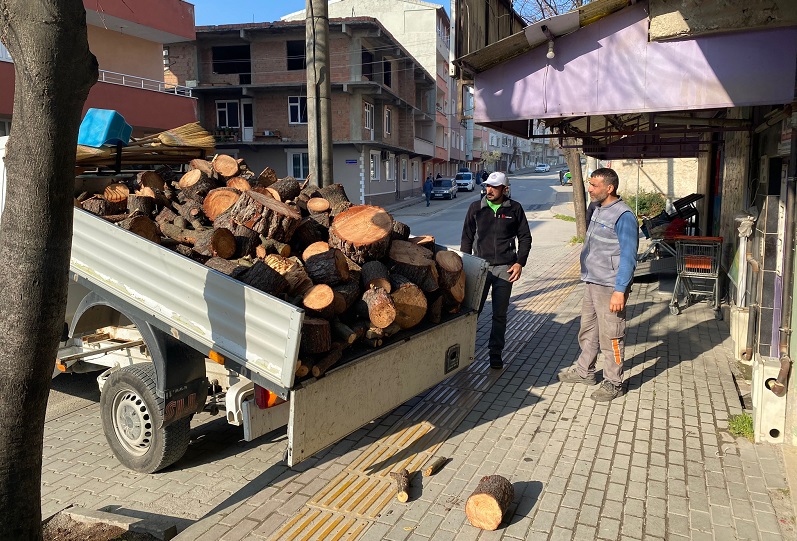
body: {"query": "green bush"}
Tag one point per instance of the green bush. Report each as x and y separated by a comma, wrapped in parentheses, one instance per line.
(650, 203)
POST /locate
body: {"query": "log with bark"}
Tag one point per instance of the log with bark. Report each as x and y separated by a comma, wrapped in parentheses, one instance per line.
(485, 508)
(285, 189)
(293, 272)
(402, 479)
(218, 201)
(427, 241)
(195, 184)
(328, 361)
(204, 166)
(401, 231)
(325, 265)
(264, 278)
(342, 332)
(142, 226)
(435, 466)
(150, 179)
(140, 203)
(316, 336)
(452, 298)
(362, 233)
(308, 232)
(267, 177)
(225, 166)
(319, 299)
(377, 306)
(117, 193)
(449, 267)
(317, 204)
(416, 263)
(271, 246)
(239, 183)
(215, 243)
(350, 292)
(375, 273)
(409, 301)
(335, 194)
(102, 207)
(265, 215)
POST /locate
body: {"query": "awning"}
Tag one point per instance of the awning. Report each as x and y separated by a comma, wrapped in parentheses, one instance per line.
(608, 71)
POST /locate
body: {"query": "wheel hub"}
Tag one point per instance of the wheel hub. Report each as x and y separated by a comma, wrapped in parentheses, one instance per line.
(132, 422)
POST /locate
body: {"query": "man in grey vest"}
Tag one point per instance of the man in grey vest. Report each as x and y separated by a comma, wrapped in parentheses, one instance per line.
(608, 260)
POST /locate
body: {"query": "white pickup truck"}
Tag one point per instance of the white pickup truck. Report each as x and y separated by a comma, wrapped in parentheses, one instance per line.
(173, 338)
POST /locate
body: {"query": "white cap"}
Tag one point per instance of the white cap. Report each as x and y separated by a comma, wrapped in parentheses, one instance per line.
(497, 178)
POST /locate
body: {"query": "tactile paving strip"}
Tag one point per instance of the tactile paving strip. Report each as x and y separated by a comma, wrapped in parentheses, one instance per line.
(357, 495)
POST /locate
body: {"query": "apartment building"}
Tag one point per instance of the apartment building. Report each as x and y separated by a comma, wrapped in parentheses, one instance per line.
(252, 88)
(423, 29)
(129, 41)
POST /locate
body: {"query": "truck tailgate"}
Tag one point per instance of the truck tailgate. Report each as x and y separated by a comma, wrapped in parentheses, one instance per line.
(196, 304)
(328, 409)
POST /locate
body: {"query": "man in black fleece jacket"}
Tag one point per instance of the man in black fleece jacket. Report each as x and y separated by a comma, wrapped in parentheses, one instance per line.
(491, 226)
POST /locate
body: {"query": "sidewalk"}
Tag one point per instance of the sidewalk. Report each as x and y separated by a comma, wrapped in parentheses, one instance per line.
(658, 463)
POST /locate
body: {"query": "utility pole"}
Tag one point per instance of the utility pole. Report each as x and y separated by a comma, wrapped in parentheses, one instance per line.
(319, 92)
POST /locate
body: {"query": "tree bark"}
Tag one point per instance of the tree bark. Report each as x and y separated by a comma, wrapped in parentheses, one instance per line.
(47, 40)
(485, 508)
(573, 159)
(402, 479)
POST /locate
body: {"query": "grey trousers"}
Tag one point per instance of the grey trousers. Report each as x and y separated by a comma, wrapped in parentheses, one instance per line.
(498, 280)
(601, 330)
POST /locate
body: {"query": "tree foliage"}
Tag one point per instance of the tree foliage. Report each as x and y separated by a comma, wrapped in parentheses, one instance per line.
(537, 10)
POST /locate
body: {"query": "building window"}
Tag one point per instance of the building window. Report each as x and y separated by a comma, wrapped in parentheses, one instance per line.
(374, 165)
(388, 120)
(390, 167)
(166, 62)
(367, 65)
(404, 169)
(5, 128)
(299, 164)
(227, 114)
(415, 176)
(297, 109)
(233, 59)
(296, 52)
(387, 73)
(369, 116)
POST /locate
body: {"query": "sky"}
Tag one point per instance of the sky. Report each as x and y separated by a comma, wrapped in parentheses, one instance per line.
(242, 11)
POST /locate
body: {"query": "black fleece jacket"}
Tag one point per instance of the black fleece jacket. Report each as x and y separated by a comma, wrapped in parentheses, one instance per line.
(491, 235)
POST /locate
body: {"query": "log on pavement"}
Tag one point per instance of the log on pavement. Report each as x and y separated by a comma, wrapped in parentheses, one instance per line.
(485, 508)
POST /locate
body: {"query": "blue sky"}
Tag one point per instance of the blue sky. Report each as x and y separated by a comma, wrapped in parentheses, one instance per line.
(242, 11)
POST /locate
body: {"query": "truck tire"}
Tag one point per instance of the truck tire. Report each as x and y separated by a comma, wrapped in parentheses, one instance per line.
(131, 415)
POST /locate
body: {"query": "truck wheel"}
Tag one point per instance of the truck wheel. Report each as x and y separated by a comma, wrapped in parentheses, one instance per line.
(131, 417)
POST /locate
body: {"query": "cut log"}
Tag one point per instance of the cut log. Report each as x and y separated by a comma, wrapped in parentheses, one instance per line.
(377, 305)
(485, 508)
(225, 266)
(328, 360)
(327, 266)
(375, 273)
(101, 207)
(355, 270)
(264, 278)
(285, 189)
(339, 303)
(401, 231)
(350, 291)
(215, 243)
(402, 479)
(316, 336)
(192, 212)
(239, 183)
(427, 241)
(317, 204)
(319, 299)
(293, 272)
(456, 294)
(271, 246)
(435, 466)
(181, 235)
(343, 332)
(140, 203)
(335, 194)
(150, 179)
(204, 166)
(308, 232)
(265, 215)
(267, 177)
(218, 201)
(143, 227)
(449, 267)
(416, 263)
(195, 184)
(246, 240)
(116, 193)
(362, 233)
(166, 215)
(226, 166)
(434, 310)
(409, 301)
(302, 369)
(310, 190)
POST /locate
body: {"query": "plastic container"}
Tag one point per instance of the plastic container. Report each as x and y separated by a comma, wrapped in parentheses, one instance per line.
(103, 127)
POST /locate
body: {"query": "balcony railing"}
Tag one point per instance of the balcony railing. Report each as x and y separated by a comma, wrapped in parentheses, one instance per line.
(134, 81)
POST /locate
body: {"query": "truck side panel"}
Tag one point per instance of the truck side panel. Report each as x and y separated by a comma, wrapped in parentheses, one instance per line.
(190, 301)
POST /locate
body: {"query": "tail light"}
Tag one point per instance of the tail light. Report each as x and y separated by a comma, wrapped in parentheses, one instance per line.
(265, 398)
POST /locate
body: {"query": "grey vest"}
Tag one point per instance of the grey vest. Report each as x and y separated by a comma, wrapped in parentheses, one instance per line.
(600, 257)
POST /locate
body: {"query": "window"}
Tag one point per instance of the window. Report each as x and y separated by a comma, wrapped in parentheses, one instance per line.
(387, 73)
(368, 122)
(233, 59)
(297, 110)
(368, 65)
(227, 114)
(388, 120)
(5, 128)
(299, 164)
(166, 62)
(404, 169)
(415, 177)
(390, 167)
(296, 52)
(374, 165)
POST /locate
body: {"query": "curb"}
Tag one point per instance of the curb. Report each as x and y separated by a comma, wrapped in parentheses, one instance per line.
(161, 529)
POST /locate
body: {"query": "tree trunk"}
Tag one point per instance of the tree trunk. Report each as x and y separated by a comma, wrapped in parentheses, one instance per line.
(579, 196)
(485, 508)
(48, 40)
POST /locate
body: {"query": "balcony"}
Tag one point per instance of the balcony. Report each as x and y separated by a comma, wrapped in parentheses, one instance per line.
(134, 81)
(423, 147)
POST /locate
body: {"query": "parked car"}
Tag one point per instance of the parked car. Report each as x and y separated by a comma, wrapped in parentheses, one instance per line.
(466, 181)
(542, 168)
(444, 188)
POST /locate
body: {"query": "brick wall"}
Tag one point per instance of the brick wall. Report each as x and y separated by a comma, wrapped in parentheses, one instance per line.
(182, 58)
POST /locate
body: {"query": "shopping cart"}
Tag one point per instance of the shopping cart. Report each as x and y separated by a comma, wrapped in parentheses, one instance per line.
(698, 263)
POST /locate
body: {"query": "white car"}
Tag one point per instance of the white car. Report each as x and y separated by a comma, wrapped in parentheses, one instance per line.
(542, 168)
(465, 181)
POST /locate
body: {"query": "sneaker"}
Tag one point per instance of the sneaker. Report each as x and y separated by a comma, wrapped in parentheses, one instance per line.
(569, 375)
(496, 362)
(608, 391)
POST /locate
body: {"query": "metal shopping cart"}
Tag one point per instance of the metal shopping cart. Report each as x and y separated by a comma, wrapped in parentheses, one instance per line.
(698, 262)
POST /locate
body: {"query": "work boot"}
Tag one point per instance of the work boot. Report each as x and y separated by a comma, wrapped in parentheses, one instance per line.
(607, 391)
(570, 375)
(496, 361)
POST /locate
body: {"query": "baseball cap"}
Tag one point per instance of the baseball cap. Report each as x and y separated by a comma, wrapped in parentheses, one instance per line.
(497, 178)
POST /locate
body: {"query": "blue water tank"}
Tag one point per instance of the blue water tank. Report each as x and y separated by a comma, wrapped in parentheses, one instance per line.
(103, 127)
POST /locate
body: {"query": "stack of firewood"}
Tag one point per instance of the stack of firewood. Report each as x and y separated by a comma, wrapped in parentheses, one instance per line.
(355, 270)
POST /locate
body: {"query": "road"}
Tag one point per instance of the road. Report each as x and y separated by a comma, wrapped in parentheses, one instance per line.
(540, 194)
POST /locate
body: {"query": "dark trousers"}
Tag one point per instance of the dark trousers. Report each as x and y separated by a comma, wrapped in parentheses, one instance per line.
(428, 198)
(498, 281)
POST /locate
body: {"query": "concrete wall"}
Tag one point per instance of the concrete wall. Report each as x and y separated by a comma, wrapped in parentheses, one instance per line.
(673, 177)
(121, 53)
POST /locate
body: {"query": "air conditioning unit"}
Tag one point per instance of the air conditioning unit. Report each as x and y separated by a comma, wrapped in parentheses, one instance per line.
(191, 83)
